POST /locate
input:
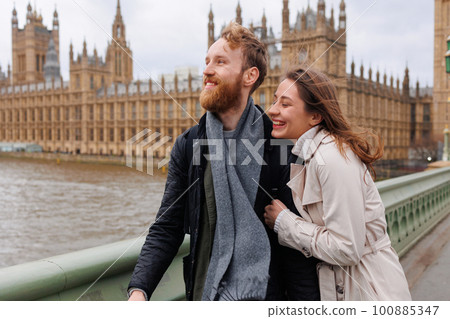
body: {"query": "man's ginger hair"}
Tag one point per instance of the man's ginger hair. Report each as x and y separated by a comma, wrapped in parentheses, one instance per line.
(253, 50)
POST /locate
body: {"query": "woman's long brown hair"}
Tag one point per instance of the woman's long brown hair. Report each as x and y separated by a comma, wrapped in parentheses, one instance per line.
(320, 97)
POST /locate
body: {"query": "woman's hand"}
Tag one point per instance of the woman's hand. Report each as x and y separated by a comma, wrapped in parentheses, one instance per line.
(272, 211)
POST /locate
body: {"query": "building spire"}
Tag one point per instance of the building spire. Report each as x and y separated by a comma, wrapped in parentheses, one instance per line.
(29, 13)
(361, 69)
(352, 67)
(118, 9)
(320, 7)
(14, 20)
(417, 88)
(71, 52)
(332, 18)
(342, 16)
(118, 25)
(286, 27)
(84, 48)
(321, 19)
(55, 19)
(239, 13)
(406, 82)
(211, 14)
(264, 25)
(211, 27)
(118, 17)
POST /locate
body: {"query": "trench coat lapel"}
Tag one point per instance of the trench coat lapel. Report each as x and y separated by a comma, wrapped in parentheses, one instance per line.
(312, 194)
(297, 185)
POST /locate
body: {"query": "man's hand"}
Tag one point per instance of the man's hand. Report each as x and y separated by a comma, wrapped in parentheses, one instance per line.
(272, 211)
(137, 296)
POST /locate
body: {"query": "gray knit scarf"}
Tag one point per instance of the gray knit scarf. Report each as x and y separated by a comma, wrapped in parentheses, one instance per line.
(240, 257)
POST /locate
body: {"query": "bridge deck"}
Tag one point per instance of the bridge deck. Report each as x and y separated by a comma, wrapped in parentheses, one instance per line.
(426, 265)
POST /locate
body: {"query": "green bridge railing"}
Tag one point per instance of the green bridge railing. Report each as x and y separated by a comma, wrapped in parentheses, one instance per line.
(414, 204)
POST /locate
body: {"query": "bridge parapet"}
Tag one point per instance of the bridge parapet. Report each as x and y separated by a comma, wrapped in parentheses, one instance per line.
(414, 204)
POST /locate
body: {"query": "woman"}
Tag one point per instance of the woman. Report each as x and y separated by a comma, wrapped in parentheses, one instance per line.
(342, 218)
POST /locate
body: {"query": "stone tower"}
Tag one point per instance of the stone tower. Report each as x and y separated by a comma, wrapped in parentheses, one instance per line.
(441, 85)
(91, 72)
(30, 45)
(119, 55)
(311, 39)
(88, 72)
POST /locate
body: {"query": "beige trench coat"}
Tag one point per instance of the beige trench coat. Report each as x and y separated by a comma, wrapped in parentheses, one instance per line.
(343, 225)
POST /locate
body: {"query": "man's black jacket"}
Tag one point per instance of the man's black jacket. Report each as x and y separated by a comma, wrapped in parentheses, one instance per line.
(292, 276)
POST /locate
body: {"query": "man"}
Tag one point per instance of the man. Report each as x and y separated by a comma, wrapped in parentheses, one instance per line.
(219, 175)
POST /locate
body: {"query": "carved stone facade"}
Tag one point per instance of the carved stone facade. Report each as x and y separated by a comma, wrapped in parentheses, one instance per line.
(441, 87)
(30, 45)
(101, 107)
(400, 114)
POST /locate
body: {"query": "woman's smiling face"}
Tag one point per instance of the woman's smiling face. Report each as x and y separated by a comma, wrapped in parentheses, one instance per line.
(289, 116)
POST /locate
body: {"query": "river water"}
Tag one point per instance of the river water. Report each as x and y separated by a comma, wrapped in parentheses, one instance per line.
(48, 209)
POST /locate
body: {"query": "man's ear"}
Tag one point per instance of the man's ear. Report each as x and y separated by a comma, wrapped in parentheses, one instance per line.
(251, 76)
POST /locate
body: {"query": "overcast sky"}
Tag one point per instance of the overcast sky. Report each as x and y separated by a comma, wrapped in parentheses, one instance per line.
(172, 33)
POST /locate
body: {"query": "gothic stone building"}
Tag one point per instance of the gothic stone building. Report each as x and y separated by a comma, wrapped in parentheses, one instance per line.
(441, 87)
(101, 106)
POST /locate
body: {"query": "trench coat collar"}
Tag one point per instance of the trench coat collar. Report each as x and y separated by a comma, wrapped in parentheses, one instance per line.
(306, 148)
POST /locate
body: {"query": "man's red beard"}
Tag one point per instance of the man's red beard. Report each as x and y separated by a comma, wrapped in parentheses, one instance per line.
(224, 96)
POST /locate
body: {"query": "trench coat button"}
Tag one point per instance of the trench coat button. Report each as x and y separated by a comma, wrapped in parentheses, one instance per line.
(340, 289)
